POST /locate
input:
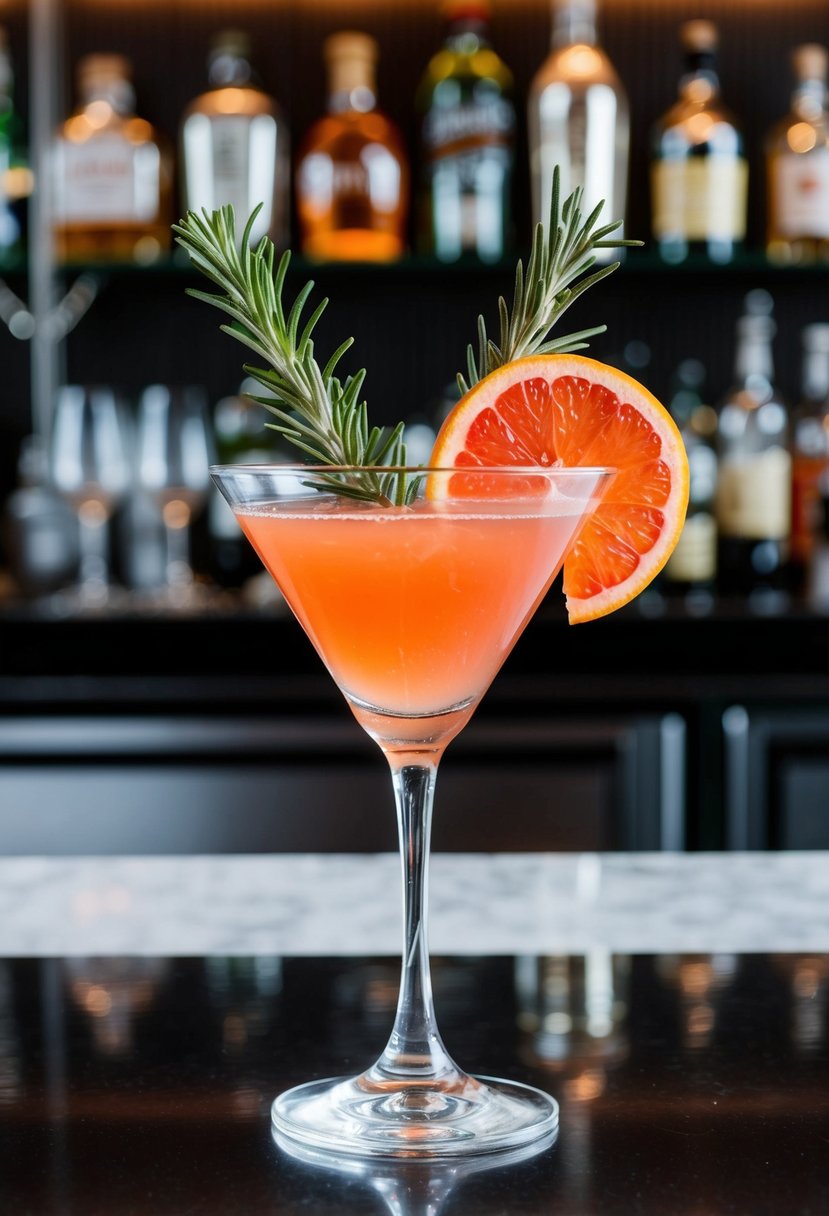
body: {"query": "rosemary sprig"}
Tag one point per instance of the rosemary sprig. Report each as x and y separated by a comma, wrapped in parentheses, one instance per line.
(315, 410)
(562, 252)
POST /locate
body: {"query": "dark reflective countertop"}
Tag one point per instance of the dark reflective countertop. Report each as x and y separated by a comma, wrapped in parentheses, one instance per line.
(690, 1085)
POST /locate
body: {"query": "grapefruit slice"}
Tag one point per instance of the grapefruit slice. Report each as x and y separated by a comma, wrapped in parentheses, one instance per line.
(570, 411)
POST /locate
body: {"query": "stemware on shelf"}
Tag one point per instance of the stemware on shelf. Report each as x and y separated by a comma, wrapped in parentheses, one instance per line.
(413, 609)
(173, 452)
(89, 465)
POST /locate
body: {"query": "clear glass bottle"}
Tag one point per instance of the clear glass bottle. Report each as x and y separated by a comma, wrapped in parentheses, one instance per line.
(810, 447)
(467, 141)
(699, 173)
(754, 485)
(234, 143)
(692, 567)
(797, 162)
(352, 182)
(578, 119)
(15, 176)
(113, 172)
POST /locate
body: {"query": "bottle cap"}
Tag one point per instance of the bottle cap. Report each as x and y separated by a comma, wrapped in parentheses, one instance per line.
(351, 57)
(97, 69)
(466, 10)
(810, 61)
(231, 42)
(699, 35)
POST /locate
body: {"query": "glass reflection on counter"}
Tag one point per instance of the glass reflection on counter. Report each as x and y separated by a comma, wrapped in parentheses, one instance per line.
(808, 980)
(114, 992)
(700, 981)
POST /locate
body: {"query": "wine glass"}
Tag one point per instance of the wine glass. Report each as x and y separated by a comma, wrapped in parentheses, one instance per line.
(413, 609)
(173, 453)
(89, 466)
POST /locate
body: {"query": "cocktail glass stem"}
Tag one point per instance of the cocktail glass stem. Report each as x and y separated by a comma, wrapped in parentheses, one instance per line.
(414, 1050)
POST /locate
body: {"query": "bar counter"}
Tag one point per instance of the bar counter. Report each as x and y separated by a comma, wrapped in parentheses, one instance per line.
(675, 1005)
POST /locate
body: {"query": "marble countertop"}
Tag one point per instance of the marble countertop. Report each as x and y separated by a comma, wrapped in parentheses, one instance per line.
(314, 904)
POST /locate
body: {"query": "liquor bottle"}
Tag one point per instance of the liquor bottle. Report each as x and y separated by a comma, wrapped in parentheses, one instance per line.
(578, 119)
(797, 159)
(691, 569)
(467, 141)
(699, 174)
(810, 447)
(15, 176)
(352, 176)
(113, 172)
(754, 486)
(234, 144)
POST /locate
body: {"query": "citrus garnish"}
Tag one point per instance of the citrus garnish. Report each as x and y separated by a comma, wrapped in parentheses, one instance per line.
(570, 411)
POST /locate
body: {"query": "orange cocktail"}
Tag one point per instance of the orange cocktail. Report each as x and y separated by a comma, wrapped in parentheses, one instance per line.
(413, 609)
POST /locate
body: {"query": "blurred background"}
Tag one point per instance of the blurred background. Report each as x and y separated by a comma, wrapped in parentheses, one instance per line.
(154, 695)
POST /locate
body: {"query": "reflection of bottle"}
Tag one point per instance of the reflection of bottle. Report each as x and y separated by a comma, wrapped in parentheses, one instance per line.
(699, 174)
(810, 446)
(754, 487)
(352, 177)
(797, 157)
(578, 119)
(692, 567)
(113, 172)
(15, 177)
(234, 143)
(467, 135)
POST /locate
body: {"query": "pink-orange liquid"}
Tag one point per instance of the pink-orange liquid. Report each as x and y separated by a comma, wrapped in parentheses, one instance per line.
(413, 610)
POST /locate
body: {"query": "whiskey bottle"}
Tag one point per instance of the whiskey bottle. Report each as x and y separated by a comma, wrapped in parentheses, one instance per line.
(691, 569)
(754, 487)
(113, 172)
(810, 448)
(467, 141)
(352, 177)
(699, 174)
(234, 144)
(797, 160)
(578, 119)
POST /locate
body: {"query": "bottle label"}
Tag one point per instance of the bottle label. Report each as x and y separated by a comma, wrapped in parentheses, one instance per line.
(234, 160)
(357, 187)
(754, 496)
(457, 131)
(700, 198)
(108, 180)
(694, 560)
(801, 193)
(807, 472)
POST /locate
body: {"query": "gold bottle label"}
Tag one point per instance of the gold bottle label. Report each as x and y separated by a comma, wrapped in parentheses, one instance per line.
(754, 496)
(700, 198)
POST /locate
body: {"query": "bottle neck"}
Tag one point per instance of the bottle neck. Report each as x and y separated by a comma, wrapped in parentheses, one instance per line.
(115, 92)
(809, 99)
(466, 35)
(351, 86)
(699, 82)
(816, 375)
(227, 68)
(574, 23)
(754, 364)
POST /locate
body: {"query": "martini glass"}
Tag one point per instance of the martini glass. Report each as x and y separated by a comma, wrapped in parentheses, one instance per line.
(413, 610)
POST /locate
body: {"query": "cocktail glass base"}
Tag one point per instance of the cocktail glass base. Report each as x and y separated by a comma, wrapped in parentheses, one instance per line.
(354, 1116)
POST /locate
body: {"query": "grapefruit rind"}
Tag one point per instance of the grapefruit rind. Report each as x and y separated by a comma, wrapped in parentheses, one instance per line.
(512, 417)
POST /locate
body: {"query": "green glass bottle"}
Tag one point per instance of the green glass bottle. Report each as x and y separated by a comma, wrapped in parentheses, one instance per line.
(467, 141)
